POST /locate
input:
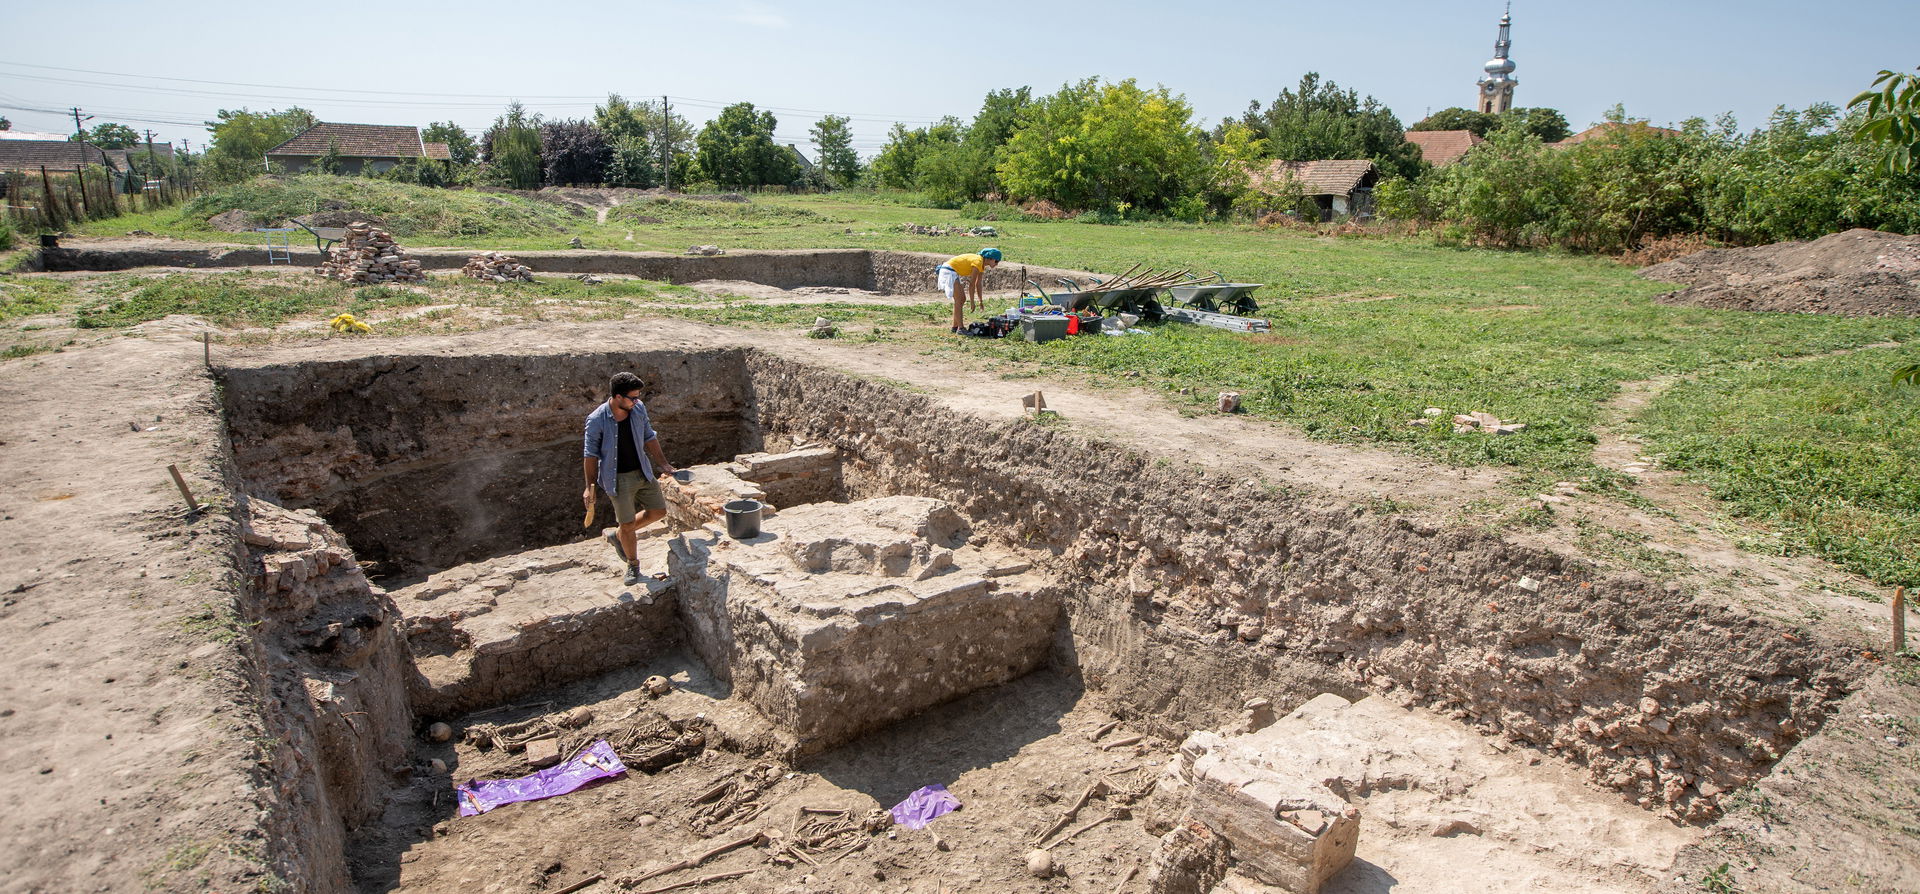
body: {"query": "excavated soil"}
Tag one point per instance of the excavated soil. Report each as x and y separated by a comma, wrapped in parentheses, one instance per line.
(1556, 723)
(1856, 273)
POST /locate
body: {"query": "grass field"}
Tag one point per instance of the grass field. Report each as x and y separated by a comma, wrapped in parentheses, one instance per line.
(1367, 332)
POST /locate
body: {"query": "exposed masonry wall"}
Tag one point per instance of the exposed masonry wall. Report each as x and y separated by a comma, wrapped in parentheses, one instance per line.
(337, 668)
(890, 272)
(1186, 593)
(428, 462)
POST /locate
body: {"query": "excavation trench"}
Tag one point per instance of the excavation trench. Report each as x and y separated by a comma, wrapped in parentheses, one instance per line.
(927, 576)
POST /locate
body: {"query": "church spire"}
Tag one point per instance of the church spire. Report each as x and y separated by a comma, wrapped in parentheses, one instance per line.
(1496, 86)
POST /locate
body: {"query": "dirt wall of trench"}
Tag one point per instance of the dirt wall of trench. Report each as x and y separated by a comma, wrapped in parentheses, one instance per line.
(428, 462)
(1189, 594)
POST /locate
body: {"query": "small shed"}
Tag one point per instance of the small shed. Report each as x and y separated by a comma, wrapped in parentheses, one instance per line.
(363, 148)
(1339, 186)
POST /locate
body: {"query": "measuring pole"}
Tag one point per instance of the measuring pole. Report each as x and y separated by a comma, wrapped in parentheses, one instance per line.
(666, 145)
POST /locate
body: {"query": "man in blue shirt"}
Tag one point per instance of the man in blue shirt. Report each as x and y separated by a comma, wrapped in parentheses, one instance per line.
(622, 455)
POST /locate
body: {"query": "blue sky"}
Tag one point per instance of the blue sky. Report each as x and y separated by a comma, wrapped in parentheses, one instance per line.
(412, 63)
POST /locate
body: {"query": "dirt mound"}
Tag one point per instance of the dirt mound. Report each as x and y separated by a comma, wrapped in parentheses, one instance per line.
(1856, 273)
(235, 221)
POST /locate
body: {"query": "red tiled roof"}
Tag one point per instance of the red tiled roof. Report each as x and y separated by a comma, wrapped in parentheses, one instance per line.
(1334, 177)
(438, 151)
(64, 155)
(1443, 147)
(1608, 128)
(356, 141)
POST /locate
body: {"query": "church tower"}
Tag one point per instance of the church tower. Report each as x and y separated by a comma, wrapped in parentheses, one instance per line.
(1496, 86)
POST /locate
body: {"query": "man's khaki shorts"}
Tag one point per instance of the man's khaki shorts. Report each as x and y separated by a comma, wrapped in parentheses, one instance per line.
(634, 493)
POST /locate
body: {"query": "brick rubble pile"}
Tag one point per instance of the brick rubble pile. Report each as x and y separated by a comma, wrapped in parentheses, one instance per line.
(497, 267)
(368, 254)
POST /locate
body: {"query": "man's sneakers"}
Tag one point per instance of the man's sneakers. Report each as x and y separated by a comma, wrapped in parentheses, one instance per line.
(633, 568)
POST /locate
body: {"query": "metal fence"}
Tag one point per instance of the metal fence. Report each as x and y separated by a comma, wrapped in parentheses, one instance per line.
(49, 201)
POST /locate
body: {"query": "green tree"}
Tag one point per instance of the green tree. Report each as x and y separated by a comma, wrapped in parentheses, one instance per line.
(109, 135)
(1457, 118)
(329, 161)
(1510, 192)
(971, 172)
(1232, 155)
(241, 139)
(1891, 118)
(737, 149)
(5, 124)
(1108, 147)
(835, 144)
(1632, 183)
(898, 165)
(1801, 177)
(1547, 124)
(460, 145)
(1318, 120)
(641, 135)
(512, 148)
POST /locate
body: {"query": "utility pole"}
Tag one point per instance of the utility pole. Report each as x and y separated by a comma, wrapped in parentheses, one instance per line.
(153, 161)
(79, 132)
(666, 145)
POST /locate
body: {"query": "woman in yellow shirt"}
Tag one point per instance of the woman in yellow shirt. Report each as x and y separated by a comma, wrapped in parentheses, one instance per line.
(961, 276)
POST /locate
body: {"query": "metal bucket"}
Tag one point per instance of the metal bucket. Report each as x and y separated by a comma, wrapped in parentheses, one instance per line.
(743, 519)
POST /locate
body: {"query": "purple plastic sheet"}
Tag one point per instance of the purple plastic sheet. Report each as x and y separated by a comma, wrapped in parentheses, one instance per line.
(597, 762)
(924, 806)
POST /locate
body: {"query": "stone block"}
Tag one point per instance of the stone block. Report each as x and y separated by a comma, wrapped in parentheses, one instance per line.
(804, 475)
(543, 753)
(695, 496)
(841, 618)
(1283, 827)
(484, 633)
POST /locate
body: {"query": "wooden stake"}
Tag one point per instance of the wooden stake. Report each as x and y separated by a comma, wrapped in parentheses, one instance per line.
(192, 504)
(1899, 619)
(206, 348)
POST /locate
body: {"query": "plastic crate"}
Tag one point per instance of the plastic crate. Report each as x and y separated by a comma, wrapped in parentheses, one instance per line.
(1043, 329)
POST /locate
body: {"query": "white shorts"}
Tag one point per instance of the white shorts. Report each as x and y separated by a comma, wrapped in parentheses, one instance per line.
(949, 280)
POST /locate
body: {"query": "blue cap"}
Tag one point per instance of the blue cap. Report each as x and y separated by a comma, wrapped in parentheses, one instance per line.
(991, 254)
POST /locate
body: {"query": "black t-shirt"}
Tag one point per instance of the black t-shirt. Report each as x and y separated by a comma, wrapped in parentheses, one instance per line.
(629, 451)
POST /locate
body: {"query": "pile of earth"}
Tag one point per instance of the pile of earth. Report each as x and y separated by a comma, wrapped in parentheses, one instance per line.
(235, 221)
(1863, 273)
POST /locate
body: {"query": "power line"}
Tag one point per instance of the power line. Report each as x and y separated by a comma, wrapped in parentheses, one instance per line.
(543, 100)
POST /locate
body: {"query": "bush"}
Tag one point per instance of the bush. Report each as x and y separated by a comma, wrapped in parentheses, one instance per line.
(6, 232)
